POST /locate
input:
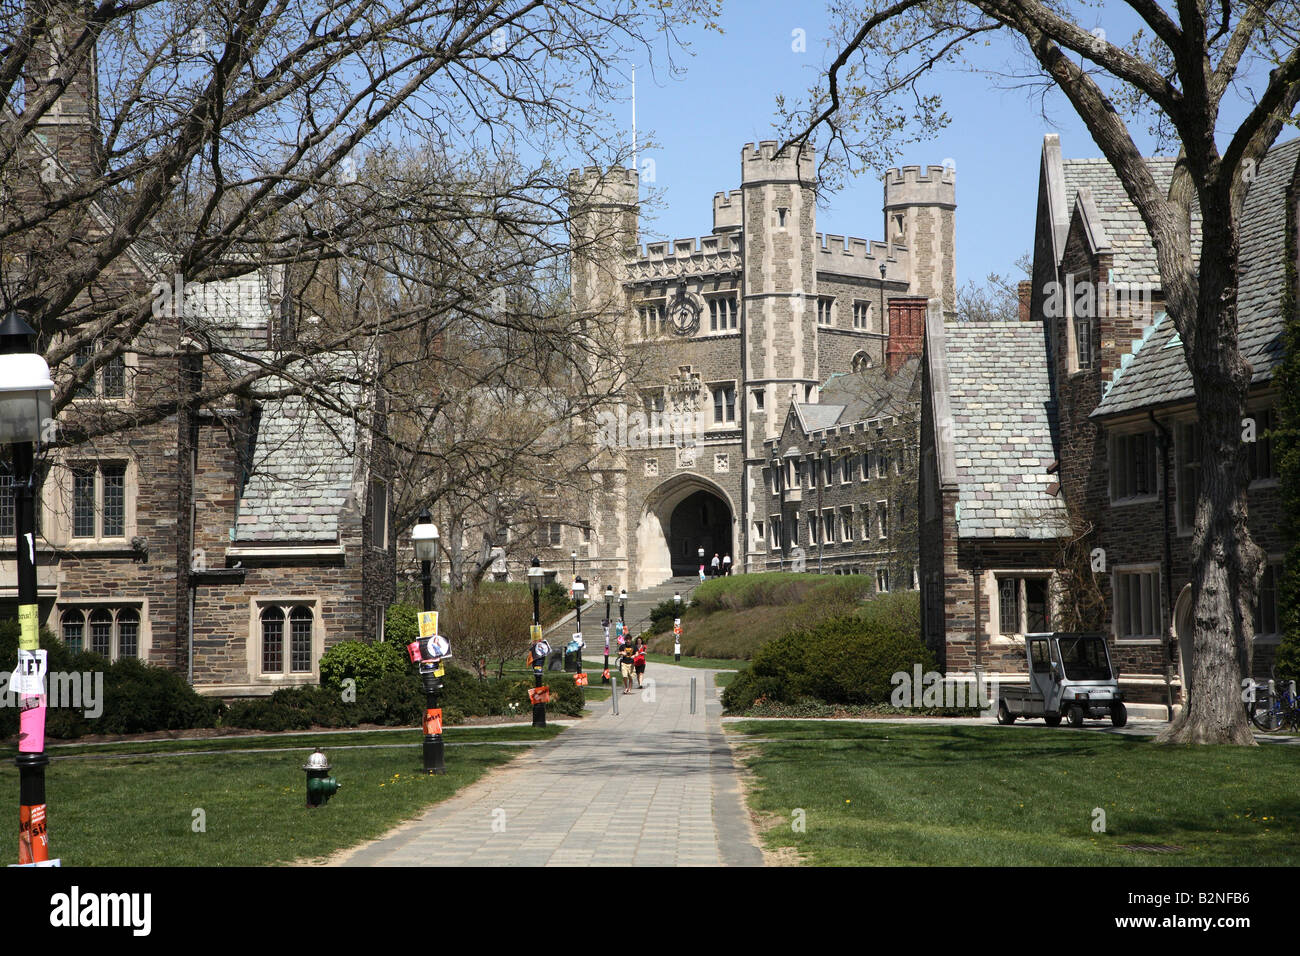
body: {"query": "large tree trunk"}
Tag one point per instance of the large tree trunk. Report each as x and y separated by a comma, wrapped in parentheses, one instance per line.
(1226, 562)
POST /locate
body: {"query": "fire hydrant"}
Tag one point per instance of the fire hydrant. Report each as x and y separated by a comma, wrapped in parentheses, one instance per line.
(320, 786)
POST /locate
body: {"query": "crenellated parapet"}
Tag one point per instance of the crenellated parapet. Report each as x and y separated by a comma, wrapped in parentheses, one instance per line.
(762, 164)
(861, 258)
(694, 256)
(728, 210)
(593, 187)
(937, 186)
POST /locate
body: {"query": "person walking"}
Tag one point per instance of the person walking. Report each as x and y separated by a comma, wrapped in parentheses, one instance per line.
(726, 565)
(638, 662)
(717, 565)
(625, 667)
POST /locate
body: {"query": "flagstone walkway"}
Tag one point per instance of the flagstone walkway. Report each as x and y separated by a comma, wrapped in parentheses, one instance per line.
(653, 785)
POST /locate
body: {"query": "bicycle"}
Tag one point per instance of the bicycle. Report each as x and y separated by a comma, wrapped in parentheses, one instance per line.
(1275, 706)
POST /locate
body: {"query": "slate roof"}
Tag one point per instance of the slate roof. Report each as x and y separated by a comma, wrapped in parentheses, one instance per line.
(849, 397)
(1157, 373)
(1134, 256)
(1003, 419)
(303, 472)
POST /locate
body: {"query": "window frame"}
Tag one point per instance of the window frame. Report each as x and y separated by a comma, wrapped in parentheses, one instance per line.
(287, 605)
(117, 611)
(1121, 455)
(1154, 596)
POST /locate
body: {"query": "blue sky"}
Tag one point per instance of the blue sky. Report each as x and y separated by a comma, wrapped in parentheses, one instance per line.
(727, 98)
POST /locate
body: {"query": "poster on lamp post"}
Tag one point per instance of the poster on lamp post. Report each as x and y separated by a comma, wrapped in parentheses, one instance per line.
(428, 623)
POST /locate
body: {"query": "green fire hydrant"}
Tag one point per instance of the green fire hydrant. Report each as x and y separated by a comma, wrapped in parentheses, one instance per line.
(320, 785)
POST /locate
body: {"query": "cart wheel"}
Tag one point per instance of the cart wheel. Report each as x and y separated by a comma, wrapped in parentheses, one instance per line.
(1052, 720)
(1118, 714)
(1005, 716)
(1075, 715)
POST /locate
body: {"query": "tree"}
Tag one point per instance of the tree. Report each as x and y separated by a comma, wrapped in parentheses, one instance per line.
(200, 142)
(997, 299)
(1175, 73)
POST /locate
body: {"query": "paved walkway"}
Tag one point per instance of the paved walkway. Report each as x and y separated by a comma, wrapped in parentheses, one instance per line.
(651, 786)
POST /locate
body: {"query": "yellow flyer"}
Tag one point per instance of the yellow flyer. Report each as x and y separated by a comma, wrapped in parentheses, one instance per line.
(428, 623)
(29, 638)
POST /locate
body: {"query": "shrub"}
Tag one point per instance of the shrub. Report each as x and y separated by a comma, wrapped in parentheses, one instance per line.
(662, 616)
(842, 660)
(401, 624)
(362, 661)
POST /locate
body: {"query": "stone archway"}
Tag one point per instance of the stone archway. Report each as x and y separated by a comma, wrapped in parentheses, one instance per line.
(1183, 631)
(682, 515)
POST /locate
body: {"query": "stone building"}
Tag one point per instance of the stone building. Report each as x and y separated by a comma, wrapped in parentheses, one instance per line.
(724, 335)
(232, 540)
(1060, 455)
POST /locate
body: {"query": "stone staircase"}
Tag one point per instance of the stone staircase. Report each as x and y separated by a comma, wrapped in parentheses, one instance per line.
(640, 603)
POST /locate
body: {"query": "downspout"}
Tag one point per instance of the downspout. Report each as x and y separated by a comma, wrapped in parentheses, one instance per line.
(1164, 442)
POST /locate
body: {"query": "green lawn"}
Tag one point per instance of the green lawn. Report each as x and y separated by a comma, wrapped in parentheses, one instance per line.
(723, 678)
(889, 794)
(712, 663)
(140, 811)
(300, 740)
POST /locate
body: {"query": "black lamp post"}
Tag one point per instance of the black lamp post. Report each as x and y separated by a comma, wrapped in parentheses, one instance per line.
(622, 605)
(539, 648)
(579, 593)
(25, 407)
(573, 559)
(822, 475)
(609, 598)
(424, 538)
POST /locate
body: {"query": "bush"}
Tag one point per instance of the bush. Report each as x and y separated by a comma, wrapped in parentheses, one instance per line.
(555, 602)
(137, 697)
(662, 616)
(401, 625)
(362, 661)
(843, 660)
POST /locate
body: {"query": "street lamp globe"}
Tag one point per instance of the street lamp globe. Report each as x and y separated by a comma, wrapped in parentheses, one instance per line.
(535, 576)
(424, 536)
(677, 600)
(609, 592)
(622, 596)
(579, 590)
(26, 387)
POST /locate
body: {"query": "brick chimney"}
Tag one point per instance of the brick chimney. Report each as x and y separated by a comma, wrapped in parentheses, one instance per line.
(906, 330)
(1024, 293)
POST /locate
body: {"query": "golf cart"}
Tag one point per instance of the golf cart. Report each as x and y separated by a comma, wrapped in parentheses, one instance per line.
(1070, 676)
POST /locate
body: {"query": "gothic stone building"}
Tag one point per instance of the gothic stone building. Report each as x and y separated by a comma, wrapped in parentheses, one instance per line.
(1060, 454)
(232, 541)
(725, 334)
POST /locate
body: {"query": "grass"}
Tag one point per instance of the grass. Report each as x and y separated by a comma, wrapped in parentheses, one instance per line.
(724, 678)
(300, 741)
(141, 811)
(887, 794)
(730, 617)
(712, 663)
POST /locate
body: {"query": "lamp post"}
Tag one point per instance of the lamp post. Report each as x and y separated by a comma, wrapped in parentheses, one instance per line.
(424, 538)
(821, 515)
(579, 592)
(677, 628)
(622, 605)
(609, 599)
(573, 559)
(536, 652)
(25, 401)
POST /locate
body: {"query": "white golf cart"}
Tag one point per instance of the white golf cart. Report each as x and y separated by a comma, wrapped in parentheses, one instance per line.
(1070, 676)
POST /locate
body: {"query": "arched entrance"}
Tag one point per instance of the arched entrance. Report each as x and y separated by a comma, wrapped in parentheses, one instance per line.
(1183, 630)
(682, 515)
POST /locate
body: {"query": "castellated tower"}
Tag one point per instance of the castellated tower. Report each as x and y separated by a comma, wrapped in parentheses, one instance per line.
(62, 64)
(603, 208)
(779, 226)
(920, 214)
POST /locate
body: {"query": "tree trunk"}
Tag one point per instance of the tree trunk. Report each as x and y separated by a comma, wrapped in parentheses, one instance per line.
(1226, 562)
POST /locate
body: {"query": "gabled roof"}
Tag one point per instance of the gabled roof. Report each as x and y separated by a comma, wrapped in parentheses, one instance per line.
(304, 471)
(1133, 255)
(850, 397)
(998, 442)
(1157, 373)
